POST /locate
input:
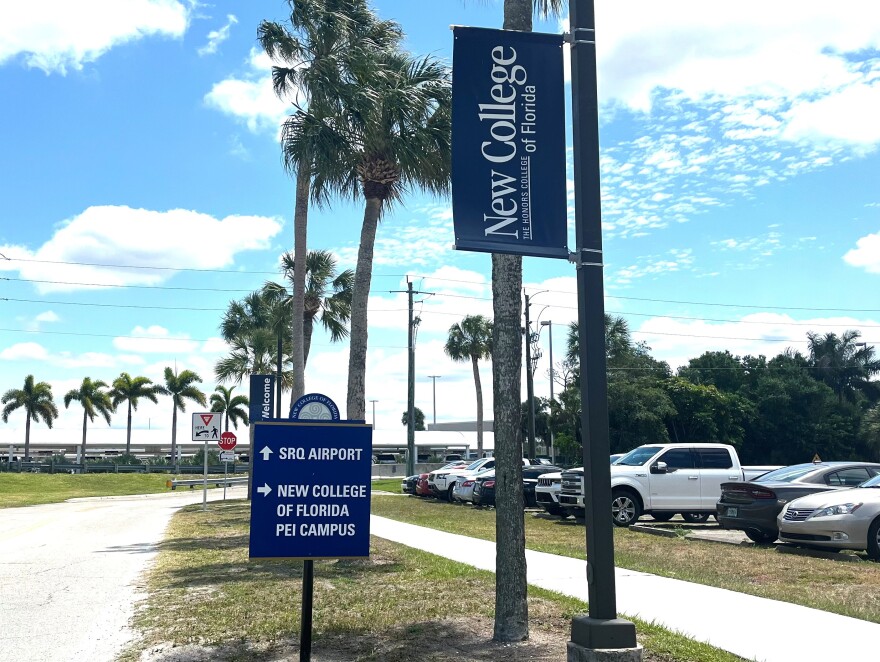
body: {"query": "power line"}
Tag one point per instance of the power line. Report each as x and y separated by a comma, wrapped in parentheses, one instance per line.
(109, 305)
(139, 287)
(138, 266)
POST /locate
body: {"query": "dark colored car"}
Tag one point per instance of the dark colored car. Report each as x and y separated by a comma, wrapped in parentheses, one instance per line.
(484, 489)
(408, 485)
(753, 506)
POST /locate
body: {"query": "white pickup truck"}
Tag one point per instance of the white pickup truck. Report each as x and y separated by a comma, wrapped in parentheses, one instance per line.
(662, 480)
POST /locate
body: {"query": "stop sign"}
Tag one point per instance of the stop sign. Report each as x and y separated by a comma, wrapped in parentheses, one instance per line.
(227, 441)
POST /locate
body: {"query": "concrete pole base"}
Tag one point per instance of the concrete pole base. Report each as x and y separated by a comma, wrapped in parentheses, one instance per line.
(577, 653)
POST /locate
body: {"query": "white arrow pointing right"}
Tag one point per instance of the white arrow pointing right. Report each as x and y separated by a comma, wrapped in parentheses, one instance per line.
(266, 452)
(265, 490)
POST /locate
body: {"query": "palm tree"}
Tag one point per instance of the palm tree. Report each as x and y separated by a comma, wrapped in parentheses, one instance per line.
(38, 403)
(393, 137)
(327, 295)
(327, 35)
(234, 408)
(843, 366)
(471, 340)
(252, 326)
(181, 387)
(511, 588)
(126, 388)
(94, 400)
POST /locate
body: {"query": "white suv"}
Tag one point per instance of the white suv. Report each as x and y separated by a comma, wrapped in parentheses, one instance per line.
(547, 492)
(442, 481)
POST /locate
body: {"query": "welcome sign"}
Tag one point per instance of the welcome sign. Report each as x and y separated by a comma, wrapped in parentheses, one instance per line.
(508, 143)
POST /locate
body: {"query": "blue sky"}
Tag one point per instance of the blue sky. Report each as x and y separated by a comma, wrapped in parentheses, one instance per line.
(740, 192)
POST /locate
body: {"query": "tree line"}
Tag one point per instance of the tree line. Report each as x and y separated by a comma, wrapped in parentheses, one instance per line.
(97, 398)
(780, 410)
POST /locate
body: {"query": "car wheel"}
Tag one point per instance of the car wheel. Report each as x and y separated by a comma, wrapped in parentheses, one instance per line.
(625, 508)
(662, 517)
(695, 518)
(449, 496)
(874, 540)
(761, 537)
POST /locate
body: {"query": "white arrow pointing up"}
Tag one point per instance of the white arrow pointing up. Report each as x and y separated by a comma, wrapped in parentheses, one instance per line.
(266, 452)
(265, 490)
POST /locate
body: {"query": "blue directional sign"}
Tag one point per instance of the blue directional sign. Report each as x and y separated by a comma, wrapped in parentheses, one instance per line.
(311, 490)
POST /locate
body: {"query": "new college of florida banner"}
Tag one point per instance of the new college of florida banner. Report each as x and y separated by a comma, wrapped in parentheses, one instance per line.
(508, 143)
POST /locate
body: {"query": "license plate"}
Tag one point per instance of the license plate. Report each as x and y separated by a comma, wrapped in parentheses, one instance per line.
(731, 512)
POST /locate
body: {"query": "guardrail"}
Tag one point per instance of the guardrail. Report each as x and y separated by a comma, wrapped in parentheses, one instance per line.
(218, 482)
(94, 467)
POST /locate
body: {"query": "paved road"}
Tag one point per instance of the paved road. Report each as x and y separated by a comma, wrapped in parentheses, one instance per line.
(69, 573)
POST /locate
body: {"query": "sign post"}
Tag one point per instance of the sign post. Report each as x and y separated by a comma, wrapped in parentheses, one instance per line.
(311, 496)
(206, 426)
(227, 443)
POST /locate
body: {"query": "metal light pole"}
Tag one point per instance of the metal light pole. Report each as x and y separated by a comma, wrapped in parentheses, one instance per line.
(530, 386)
(434, 379)
(374, 412)
(601, 629)
(549, 324)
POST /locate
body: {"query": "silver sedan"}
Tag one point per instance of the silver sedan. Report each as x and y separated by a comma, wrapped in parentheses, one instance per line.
(842, 519)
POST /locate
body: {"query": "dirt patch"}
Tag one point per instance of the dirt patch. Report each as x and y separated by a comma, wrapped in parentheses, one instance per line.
(466, 639)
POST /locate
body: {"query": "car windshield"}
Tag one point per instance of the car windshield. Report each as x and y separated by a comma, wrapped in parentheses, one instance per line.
(873, 482)
(786, 474)
(637, 457)
(476, 465)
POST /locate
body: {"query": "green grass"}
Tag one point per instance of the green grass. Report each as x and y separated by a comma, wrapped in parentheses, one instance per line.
(387, 485)
(400, 604)
(27, 489)
(850, 589)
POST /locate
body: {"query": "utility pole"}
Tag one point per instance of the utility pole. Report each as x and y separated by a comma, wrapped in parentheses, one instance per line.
(411, 383)
(601, 629)
(434, 379)
(374, 412)
(549, 325)
(530, 386)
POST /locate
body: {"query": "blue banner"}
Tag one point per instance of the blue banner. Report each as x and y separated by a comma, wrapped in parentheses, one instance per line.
(508, 143)
(262, 404)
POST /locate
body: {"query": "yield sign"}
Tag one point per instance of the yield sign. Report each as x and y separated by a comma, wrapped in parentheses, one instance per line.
(206, 426)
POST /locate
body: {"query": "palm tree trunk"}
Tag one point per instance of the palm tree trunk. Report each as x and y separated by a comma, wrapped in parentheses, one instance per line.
(308, 327)
(174, 461)
(511, 589)
(479, 385)
(279, 368)
(227, 421)
(357, 357)
(300, 226)
(27, 435)
(128, 436)
(85, 423)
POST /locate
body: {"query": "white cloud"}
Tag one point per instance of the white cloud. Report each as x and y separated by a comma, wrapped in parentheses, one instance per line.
(866, 254)
(54, 35)
(251, 97)
(155, 339)
(48, 316)
(217, 37)
(809, 72)
(120, 235)
(24, 351)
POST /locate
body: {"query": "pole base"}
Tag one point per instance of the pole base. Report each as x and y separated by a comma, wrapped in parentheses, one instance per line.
(578, 653)
(599, 636)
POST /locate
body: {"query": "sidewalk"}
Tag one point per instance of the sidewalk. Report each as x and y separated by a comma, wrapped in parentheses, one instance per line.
(751, 627)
